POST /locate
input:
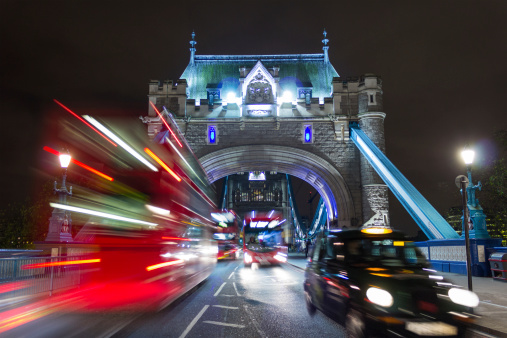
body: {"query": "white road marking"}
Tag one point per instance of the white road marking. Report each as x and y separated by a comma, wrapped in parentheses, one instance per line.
(226, 307)
(219, 289)
(488, 303)
(228, 296)
(191, 325)
(232, 273)
(235, 288)
(224, 324)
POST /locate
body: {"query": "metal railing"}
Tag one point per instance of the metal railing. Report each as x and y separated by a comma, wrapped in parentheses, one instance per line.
(37, 275)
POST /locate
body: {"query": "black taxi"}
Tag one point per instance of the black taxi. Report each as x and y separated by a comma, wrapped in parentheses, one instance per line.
(378, 284)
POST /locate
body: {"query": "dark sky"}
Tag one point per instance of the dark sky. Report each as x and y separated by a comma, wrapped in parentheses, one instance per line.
(443, 65)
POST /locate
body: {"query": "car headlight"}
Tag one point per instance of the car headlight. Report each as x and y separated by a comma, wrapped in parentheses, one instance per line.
(463, 297)
(379, 297)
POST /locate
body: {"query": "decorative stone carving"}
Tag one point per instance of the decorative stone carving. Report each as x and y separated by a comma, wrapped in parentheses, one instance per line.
(259, 112)
(259, 90)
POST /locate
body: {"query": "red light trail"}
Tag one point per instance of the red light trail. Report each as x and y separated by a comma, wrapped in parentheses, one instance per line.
(82, 120)
(163, 120)
(96, 172)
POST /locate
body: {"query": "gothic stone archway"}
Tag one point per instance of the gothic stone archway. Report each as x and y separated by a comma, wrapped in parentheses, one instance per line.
(300, 163)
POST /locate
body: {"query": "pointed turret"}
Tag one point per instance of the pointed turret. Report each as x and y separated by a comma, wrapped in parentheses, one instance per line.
(326, 47)
(192, 49)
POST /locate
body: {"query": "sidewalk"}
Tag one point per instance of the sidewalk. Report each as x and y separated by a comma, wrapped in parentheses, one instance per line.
(492, 295)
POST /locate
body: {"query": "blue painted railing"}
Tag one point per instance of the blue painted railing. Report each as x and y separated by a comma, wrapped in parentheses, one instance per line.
(428, 219)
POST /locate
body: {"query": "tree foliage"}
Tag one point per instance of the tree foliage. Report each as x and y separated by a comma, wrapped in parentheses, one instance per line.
(494, 193)
(23, 223)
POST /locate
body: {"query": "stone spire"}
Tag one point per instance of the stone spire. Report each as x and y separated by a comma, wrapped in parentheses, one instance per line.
(326, 47)
(192, 49)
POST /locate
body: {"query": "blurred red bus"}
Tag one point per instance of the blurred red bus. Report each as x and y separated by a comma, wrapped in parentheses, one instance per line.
(141, 209)
(262, 239)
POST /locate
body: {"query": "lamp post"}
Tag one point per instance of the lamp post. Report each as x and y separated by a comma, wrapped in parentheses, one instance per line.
(468, 157)
(60, 223)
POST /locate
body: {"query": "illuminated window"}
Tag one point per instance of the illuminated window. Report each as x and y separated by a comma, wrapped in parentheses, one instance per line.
(307, 133)
(212, 137)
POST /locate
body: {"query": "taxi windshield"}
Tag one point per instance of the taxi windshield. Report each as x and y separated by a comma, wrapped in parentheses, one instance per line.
(388, 252)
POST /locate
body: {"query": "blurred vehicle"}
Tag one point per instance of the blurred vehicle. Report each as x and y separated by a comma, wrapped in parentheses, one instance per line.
(227, 235)
(377, 284)
(141, 212)
(262, 239)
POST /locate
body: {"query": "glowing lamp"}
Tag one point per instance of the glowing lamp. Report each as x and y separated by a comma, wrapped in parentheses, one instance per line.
(231, 97)
(376, 230)
(468, 156)
(64, 160)
(287, 96)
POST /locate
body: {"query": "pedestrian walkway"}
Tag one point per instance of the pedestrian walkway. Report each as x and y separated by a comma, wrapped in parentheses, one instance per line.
(492, 295)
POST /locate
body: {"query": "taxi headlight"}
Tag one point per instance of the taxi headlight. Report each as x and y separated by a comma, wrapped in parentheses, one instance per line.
(463, 297)
(379, 297)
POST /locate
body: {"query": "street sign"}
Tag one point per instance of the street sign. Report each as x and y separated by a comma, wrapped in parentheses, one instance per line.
(460, 178)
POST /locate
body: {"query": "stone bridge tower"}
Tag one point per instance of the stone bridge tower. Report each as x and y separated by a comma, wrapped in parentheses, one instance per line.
(281, 113)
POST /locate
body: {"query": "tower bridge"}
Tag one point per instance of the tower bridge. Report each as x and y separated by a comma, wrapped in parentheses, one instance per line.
(290, 114)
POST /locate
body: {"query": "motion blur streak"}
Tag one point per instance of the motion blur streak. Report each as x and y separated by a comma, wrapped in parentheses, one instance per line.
(8, 287)
(163, 120)
(181, 156)
(96, 172)
(176, 238)
(159, 161)
(161, 265)
(80, 119)
(99, 213)
(120, 142)
(25, 314)
(43, 265)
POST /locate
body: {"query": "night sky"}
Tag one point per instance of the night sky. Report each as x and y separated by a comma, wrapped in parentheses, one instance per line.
(443, 65)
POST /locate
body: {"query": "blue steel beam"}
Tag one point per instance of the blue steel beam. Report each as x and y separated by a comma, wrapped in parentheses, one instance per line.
(319, 219)
(428, 219)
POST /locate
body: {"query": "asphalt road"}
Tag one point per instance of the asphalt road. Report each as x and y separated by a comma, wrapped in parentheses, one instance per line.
(239, 302)
(233, 302)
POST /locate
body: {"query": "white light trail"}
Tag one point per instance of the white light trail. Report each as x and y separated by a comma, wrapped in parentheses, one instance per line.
(99, 213)
(120, 142)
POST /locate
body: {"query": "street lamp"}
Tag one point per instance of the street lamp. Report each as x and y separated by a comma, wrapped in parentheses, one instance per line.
(468, 157)
(60, 222)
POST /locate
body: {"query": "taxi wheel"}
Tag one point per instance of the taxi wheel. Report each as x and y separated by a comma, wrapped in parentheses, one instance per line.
(354, 324)
(309, 305)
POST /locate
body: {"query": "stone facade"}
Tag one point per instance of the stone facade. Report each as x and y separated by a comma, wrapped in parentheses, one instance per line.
(266, 132)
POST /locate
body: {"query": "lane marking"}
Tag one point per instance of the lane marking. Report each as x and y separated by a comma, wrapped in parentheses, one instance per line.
(235, 288)
(228, 296)
(219, 289)
(224, 324)
(194, 321)
(227, 307)
(232, 273)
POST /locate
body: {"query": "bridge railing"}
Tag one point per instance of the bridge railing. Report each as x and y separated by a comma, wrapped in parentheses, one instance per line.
(26, 276)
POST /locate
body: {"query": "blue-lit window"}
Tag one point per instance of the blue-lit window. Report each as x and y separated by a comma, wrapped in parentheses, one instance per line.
(212, 135)
(307, 134)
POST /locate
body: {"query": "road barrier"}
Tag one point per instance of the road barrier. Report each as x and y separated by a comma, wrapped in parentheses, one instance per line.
(37, 275)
